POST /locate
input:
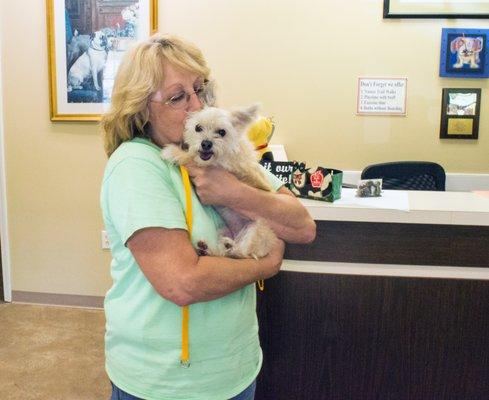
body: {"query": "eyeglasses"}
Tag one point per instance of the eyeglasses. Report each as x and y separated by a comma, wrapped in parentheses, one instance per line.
(181, 99)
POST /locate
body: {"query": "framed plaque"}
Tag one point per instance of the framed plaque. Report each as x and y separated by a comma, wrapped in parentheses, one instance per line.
(460, 110)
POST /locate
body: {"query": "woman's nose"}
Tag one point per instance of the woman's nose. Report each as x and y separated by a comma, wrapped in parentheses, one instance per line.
(194, 103)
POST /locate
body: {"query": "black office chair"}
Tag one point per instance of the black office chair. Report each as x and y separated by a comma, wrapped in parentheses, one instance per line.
(408, 175)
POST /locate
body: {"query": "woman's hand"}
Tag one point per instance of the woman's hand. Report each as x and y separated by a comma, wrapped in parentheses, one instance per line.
(214, 186)
(283, 212)
(273, 261)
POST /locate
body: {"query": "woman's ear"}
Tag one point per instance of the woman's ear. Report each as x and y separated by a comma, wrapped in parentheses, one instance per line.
(244, 116)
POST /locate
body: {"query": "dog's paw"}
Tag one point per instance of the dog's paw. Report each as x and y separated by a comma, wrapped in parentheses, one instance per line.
(226, 246)
(227, 243)
(202, 248)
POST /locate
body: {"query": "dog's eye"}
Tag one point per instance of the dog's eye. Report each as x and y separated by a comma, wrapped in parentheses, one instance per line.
(221, 132)
(198, 128)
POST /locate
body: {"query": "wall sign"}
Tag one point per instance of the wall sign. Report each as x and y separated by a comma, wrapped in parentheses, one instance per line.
(381, 96)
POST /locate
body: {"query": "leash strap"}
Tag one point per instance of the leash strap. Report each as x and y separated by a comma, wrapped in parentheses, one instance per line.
(185, 357)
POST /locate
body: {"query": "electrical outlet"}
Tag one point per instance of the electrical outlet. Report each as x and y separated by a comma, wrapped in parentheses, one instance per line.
(105, 240)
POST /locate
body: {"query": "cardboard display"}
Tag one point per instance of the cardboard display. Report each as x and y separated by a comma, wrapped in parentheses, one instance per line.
(319, 183)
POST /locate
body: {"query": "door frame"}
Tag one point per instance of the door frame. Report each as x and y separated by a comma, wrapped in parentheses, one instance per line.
(4, 240)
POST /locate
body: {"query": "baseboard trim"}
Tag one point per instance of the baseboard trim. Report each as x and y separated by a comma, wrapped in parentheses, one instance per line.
(57, 299)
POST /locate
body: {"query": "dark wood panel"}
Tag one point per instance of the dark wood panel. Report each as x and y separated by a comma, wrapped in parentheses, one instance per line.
(358, 337)
(388, 243)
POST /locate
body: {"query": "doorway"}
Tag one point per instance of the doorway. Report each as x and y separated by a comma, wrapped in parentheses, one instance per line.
(2, 297)
(5, 287)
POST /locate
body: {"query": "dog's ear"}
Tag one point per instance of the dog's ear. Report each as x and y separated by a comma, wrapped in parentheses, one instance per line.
(209, 94)
(244, 116)
(456, 44)
(92, 35)
(478, 43)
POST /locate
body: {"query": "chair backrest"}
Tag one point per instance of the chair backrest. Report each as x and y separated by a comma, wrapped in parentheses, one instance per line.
(408, 175)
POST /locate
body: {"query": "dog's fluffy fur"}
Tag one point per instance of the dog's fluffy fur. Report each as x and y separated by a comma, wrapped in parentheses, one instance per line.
(217, 137)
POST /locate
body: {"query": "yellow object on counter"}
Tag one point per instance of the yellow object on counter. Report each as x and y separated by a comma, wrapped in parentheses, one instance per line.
(260, 134)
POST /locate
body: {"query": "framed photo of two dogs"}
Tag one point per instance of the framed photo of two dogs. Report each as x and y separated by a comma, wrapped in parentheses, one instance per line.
(86, 42)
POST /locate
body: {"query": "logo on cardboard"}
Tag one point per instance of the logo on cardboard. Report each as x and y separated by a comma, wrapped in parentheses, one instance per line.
(317, 179)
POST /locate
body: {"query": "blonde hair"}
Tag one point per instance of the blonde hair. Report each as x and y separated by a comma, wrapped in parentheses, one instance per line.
(139, 75)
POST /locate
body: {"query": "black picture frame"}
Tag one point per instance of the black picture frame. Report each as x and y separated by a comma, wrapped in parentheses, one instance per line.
(460, 112)
(420, 10)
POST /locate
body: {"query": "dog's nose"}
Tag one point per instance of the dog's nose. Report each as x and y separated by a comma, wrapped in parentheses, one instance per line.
(206, 145)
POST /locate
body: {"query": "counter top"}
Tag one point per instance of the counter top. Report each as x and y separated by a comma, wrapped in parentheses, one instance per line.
(425, 207)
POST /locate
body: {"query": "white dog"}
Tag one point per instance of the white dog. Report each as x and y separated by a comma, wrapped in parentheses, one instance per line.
(467, 49)
(90, 63)
(214, 136)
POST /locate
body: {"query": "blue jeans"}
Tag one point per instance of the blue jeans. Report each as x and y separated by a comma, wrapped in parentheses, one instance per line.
(247, 394)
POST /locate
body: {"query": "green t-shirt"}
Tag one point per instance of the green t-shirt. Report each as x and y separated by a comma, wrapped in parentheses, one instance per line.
(144, 330)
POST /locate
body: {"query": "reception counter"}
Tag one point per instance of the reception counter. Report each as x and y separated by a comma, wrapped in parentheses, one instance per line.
(391, 301)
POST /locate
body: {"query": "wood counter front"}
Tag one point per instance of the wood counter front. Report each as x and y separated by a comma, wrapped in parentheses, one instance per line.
(384, 304)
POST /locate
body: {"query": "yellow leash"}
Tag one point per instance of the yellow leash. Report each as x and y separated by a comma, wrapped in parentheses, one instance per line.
(185, 357)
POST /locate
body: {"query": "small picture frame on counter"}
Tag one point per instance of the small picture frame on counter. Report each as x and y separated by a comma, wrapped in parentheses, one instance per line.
(460, 112)
(369, 188)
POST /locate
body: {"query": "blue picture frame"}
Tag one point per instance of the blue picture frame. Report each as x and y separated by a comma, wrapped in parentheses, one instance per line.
(464, 53)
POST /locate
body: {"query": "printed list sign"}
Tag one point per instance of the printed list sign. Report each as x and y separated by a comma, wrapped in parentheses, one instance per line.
(381, 96)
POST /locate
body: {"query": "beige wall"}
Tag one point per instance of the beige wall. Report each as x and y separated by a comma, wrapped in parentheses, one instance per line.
(300, 59)
(53, 170)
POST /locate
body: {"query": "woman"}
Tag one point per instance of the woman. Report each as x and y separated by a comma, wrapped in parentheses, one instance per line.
(155, 267)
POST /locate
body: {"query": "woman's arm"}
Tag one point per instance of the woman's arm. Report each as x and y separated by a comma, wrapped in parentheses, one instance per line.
(282, 210)
(170, 263)
(284, 213)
